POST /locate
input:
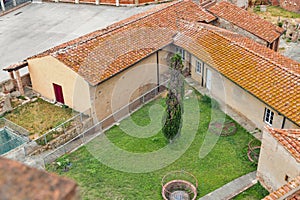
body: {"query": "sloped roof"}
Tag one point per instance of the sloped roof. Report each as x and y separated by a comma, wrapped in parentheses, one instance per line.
(261, 74)
(289, 139)
(104, 53)
(284, 191)
(247, 21)
(269, 76)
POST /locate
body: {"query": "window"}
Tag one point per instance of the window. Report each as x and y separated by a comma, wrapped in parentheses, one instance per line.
(269, 115)
(181, 52)
(198, 66)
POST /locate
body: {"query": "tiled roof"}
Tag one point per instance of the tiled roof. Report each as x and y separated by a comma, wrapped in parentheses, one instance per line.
(247, 21)
(18, 181)
(289, 139)
(16, 66)
(283, 192)
(104, 53)
(263, 74)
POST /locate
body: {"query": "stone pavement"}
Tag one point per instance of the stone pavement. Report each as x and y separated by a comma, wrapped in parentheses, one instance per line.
(39, 26)
(232, 188)
(238, 117)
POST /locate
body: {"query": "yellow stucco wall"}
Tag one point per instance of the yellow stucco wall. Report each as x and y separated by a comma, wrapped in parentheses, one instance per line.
(275, 163)
(237, 98)
(121, 89)
(47, 70)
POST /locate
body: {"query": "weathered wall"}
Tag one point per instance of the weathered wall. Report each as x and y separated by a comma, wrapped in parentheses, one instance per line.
(238, 99)
(48, 70)
(121, 89)
(291, 5)
(9, 85)
(275, 162)
(229, 26)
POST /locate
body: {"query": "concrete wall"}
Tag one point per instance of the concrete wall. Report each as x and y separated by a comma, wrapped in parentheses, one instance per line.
(275, 163)
(48, 70)
(121, 89)
(229, 93)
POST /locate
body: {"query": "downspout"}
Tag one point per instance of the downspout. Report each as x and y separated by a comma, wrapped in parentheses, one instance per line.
(117, 2)
(202, 74)
(2, 5)
(283, 122)
(157, 69)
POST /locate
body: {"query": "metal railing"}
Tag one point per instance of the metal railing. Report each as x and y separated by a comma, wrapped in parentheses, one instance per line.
(16, 128)
(75, 124)
(104, 124)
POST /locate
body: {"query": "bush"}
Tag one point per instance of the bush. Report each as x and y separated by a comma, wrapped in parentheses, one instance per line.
(280, 24)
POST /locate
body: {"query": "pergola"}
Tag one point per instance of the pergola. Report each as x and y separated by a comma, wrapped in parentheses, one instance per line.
(15, 76)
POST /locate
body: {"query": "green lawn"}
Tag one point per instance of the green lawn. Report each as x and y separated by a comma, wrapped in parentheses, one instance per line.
(39, 116)
(255, 192)
(225, 162)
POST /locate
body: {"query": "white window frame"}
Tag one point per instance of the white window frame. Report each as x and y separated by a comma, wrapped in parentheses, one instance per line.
(269, 116)
(181, 52)
(198, 67)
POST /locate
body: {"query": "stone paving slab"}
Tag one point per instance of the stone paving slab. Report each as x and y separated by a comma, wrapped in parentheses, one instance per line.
(232, 188)
(39, 26)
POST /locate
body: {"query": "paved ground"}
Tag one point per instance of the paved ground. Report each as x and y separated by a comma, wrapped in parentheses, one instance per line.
(292, 49)
(232, 188)
(37, 27)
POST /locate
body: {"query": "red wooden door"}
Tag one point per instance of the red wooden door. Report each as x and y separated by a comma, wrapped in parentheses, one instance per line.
(58, 93)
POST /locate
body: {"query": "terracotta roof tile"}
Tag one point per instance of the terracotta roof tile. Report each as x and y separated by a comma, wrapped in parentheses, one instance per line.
(94, 56)
(16, 66)
(289, 139)
(18, 181)
(252, 66)
(264, 73)
(247, 21)
(292, 187)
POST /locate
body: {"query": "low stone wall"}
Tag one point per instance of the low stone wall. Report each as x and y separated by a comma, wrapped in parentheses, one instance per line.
(9, 85)
(64, 138)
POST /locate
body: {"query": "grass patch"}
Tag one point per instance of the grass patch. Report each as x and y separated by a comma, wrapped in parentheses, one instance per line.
(257, 191)
(39, 116)
(277, 11)
(226, 161)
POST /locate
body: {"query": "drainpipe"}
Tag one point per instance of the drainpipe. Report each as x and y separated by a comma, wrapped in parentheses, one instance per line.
(14, 3)
(157, 69)
(117, 2)
(283, 122)
(97, 2)
(2, 5)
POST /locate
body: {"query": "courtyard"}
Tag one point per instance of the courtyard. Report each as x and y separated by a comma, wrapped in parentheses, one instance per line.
(225, 162)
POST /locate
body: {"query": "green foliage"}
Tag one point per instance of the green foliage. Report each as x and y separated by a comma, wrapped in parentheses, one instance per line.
(226, 162)
(256, 9)
(65, 106)
(288, 40)
(63, 163)
(212, 102)
(21, 97)
(280, 24)
(172, 121)
(257, 191)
